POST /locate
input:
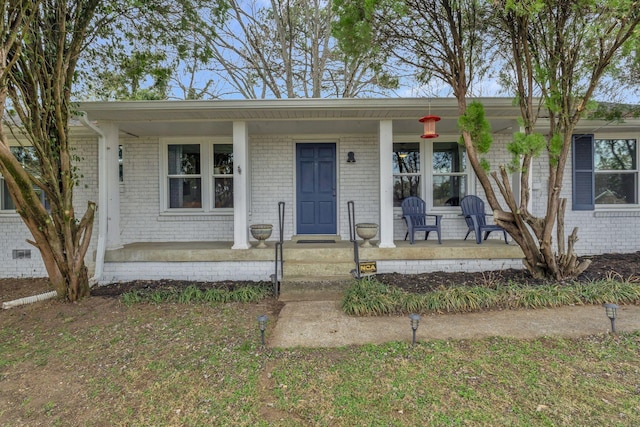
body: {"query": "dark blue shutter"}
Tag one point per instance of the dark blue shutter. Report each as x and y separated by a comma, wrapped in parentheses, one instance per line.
(583, 173)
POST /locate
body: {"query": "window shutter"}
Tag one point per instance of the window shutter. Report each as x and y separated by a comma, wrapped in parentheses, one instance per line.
(583, 173)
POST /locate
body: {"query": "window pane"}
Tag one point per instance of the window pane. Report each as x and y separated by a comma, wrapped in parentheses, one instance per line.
(448, 190)
(405, 186)
(29, 161)
(184, 159)
(406, 157)
(7, 201)
(223, 192)
(223, 159)
(615, 154)
(185, 193)
(27, 157)
(449, 157)
(616, 188)
(120, 167)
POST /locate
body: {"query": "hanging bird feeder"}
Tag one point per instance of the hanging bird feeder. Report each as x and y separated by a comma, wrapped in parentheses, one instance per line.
(429, 126)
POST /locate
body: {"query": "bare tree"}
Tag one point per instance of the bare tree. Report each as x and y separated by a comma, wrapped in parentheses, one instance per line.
(287, 51)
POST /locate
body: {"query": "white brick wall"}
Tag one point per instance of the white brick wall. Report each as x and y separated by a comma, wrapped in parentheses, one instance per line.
(272, 179)
(453, 265)
(358, 182)
(14, 236)
(14, 233)
(140, 216)
(196, 271)
(261, 270)
(599, 231)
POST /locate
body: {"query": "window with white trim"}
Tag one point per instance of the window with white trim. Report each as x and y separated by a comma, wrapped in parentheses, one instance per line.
(440, 182)
(450, 176)
(198, 175)
(184, 176)
(616, 171)
(27, 157)
(406, 171)
(223, 175)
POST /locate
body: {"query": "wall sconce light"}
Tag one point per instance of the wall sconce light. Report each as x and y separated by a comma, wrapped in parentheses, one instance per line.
(351, 157)
(415, 322)
(262, 324)
(612, 312)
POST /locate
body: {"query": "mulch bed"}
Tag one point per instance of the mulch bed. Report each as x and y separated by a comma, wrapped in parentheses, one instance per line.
(622, 266)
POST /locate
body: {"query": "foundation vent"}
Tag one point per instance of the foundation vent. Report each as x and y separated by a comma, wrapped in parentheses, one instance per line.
(21, 254)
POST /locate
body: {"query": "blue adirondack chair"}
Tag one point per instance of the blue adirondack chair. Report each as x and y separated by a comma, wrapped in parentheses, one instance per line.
(414, 212)
(475, 216)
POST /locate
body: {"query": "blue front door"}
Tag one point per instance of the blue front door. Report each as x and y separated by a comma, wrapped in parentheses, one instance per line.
(316, 188)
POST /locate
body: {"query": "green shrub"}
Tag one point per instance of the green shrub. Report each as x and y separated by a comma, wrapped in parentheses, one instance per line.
(370, 297)
(193, 294)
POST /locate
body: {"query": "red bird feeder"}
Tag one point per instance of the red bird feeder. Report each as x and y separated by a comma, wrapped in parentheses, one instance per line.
(429, 126)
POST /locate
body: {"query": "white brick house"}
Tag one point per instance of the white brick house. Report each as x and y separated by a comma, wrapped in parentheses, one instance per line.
(202, 171)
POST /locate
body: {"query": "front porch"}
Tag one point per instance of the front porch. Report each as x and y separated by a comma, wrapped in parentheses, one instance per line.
(303, 262)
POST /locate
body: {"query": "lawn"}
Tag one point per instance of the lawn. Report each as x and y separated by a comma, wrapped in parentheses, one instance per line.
(103, 363)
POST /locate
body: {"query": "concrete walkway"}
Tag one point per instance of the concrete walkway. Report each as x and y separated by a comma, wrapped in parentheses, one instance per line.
(323, 324)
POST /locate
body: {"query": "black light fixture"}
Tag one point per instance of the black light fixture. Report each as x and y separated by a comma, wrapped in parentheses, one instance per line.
(351, 157)
(415, 322)
(612, 312)
(262, 324)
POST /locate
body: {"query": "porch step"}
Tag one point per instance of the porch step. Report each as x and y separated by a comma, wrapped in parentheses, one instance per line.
(315, 237)
(326, 288)
(320, 268)
(317, 271)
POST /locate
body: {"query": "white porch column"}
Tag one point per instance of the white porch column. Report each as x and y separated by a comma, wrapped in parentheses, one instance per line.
(240, 186)
(112, 142)
(386, 184)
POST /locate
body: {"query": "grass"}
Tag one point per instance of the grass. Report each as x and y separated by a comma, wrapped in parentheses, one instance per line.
(369, 297)
(196, 364)
(188, 359)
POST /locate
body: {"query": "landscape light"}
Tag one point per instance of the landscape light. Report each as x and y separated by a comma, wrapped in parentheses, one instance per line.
(415, 322)
(262, 324)
(612, 312)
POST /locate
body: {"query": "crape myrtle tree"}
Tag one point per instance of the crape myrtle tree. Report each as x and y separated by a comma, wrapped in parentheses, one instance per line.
(42, 42)
(37, 74)
(559, 53)
(555, 54)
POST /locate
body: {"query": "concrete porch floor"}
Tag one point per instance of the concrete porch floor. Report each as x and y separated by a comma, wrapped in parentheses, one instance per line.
(340, 251)
(304, 263)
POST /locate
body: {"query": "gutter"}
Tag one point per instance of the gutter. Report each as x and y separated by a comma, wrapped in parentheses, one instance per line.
(102, 216)
(102, 200)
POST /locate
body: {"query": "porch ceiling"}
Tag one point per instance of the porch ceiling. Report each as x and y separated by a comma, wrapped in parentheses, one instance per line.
(289, 116)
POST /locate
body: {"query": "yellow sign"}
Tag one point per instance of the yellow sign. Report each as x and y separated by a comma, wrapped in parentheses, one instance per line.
(368, 267)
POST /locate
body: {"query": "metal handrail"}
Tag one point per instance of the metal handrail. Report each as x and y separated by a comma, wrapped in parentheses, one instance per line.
(352, 238)
(279, 258)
